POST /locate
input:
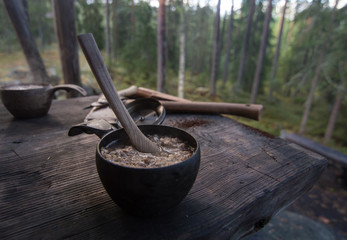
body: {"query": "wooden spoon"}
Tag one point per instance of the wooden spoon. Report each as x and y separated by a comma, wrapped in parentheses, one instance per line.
(97, 65)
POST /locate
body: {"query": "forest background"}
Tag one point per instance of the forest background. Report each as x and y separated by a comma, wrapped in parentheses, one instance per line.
(289, 56)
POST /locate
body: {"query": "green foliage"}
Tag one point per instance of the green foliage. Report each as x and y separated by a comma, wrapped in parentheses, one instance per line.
(138, 54)
(253, 48)
(335, 63)
(41, 22)
(90, 20)
(8, 39)
(172, 38)
(123, 27)
(199, 28)
(301, 58)
(299, 62)
(240, 22)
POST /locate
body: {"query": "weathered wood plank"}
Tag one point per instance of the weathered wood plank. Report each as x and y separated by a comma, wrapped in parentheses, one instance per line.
(316, 147)
(50, 188)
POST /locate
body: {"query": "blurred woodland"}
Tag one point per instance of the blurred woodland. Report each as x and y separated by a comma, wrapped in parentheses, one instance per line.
(289, 56)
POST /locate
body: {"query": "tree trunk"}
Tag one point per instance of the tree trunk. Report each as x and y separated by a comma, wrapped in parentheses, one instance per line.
(214, 66)
(132, 19)
(107, 32)
(230, 35)
(333, 117)
(181, 71)
(221, 40)
(41, 29)
(245, 46)
(277, 54)
(261, 55)
(25, 6)
(201, 56)
(316, 74)
(161, 47)
(292, 24)
(114, 29)
(64, 19)
(170, 25)
(336, 108)
(237, 36)
(19, 19)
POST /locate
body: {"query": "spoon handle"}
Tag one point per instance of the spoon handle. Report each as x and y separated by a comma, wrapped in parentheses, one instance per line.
(98, 67)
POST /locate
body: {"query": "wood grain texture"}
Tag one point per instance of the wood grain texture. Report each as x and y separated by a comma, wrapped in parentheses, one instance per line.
(50, 188)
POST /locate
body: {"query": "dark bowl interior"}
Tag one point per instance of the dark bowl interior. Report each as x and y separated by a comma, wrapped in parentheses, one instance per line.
(148, 191)
(148, 109)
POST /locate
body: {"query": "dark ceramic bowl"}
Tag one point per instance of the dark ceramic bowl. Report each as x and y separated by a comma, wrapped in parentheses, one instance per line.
(32, 100)
(148, 191)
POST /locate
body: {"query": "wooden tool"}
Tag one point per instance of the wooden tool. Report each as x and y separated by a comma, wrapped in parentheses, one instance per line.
(176, 104)
(251, 111)
(149, 93)
(97, 65)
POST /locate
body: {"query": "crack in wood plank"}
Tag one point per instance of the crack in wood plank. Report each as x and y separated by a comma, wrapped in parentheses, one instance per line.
(266, 174)
(14, 151)
(270, 155)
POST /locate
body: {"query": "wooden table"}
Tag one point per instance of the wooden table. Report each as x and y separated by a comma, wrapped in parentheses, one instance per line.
(50, 188)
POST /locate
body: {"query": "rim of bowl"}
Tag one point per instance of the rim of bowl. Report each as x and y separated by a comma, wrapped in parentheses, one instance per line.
(16, 87)
(197, 149)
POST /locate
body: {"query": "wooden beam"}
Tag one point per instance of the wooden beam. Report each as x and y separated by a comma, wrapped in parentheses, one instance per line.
(64, 19)
(315, 147)
(19, 19)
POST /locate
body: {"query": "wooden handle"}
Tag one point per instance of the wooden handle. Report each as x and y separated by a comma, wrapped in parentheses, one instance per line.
(176, 104)
(128, 92)
(252, 111)
(98, 67)
(68, 87)
(149, 93)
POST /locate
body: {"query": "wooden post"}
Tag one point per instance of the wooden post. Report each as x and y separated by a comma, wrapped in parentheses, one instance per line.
(19, 19)
(161, 47)
(215, 53)
(64, 20)
(108, 37)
